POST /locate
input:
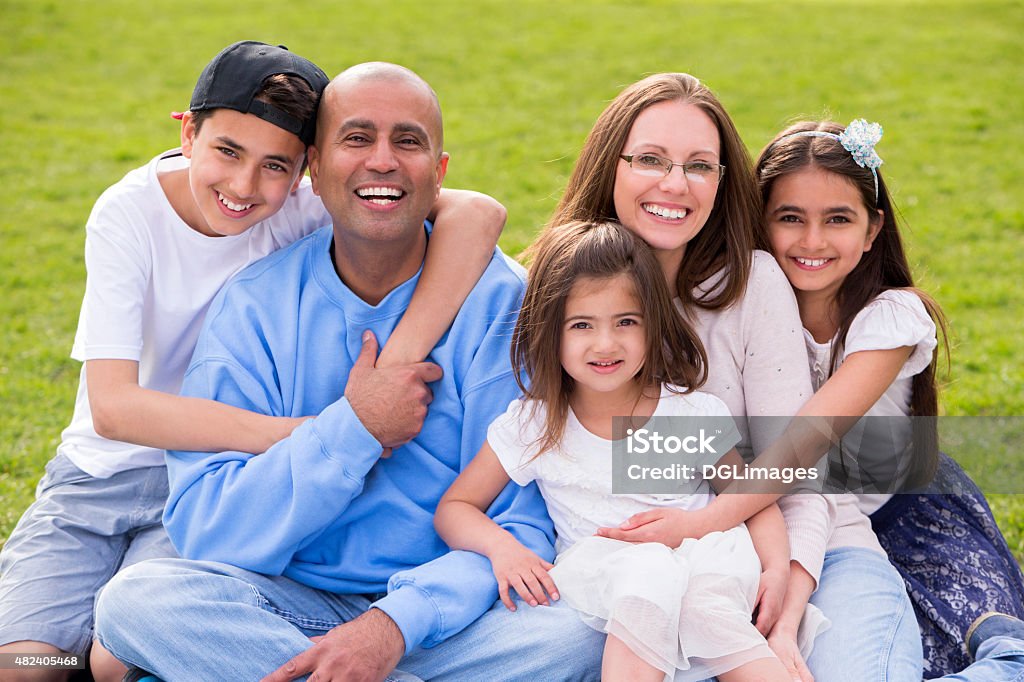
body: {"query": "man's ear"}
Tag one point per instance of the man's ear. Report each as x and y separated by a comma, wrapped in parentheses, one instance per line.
(188, 134)
(313, 159)
(874, 227)
(442, 169)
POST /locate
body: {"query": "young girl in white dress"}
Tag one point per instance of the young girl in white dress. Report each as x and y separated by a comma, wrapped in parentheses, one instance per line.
(599, 338)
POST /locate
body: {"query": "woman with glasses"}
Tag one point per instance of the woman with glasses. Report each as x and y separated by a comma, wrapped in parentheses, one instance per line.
(666, 161)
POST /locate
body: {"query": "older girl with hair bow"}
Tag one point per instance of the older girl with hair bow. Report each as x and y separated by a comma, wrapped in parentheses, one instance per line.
(871, 344)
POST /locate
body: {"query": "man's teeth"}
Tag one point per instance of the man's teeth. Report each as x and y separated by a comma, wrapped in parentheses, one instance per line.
(381, 196)
(662, 212)
(812, 262)
(232, 205)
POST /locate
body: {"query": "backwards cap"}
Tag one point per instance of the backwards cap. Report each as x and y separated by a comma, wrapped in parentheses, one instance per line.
(233, 78)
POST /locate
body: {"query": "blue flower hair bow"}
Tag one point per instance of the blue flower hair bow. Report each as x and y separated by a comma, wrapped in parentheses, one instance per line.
(860, 138)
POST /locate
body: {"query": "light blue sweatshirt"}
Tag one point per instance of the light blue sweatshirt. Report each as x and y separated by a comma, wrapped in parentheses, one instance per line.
(320, 507)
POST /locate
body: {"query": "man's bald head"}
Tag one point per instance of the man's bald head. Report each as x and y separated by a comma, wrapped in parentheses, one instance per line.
(368, 72)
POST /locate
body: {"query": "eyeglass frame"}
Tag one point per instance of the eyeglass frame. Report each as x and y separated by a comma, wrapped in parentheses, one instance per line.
(628, 158)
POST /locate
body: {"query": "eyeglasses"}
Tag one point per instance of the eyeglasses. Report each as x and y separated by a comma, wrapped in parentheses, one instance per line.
(656, 166)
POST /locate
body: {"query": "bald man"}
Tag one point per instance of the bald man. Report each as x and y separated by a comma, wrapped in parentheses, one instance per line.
(318, 556)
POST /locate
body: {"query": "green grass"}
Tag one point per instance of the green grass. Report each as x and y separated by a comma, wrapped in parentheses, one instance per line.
(87, 88)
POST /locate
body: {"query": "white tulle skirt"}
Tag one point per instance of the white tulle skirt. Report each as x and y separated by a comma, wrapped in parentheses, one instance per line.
(686, 611)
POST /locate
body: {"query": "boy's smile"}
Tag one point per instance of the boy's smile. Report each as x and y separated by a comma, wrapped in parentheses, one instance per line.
(241, 172)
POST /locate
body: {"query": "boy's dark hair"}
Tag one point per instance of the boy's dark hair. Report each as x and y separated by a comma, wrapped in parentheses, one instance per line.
(286, 92)
(265, 80)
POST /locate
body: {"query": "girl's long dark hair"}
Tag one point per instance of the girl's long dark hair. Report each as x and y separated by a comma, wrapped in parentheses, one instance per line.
(881, 268)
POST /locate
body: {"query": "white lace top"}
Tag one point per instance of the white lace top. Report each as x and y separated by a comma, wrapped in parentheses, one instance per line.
(576, 481)
(894, 319)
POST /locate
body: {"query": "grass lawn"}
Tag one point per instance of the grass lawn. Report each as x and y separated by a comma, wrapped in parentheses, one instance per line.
(87, 88)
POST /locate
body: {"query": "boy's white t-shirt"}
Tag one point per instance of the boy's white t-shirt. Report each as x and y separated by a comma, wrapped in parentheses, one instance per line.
(150, 281)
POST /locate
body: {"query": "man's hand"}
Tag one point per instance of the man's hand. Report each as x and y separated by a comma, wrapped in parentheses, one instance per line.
(391, 403)
(363, 650)
(517, 567)
(666, 525)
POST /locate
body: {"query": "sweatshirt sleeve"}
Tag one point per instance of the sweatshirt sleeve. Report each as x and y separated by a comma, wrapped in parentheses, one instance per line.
(252, 510)
(436, 600)
(808, 525)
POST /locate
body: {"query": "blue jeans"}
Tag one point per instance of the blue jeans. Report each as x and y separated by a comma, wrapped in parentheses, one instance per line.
(193, 620)
(874, 634)
(998, 658)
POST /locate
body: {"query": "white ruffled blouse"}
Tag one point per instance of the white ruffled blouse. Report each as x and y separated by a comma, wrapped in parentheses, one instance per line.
(894, 319)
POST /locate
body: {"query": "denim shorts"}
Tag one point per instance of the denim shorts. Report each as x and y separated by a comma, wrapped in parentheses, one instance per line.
(78, 533)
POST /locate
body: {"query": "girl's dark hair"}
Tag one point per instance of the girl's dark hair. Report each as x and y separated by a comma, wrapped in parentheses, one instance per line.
(561, 256)
(291, 94)
(725, 241)
(881, 268)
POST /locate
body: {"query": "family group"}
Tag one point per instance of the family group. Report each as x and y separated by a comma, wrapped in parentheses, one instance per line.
(326, 429)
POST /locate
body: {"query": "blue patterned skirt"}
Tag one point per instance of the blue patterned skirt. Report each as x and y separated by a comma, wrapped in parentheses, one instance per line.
(954, 560)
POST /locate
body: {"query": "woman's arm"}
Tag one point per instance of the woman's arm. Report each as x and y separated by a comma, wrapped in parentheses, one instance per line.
(122, 410)
(461, 522)
(466, 229)
(768, 532)
(783, 636)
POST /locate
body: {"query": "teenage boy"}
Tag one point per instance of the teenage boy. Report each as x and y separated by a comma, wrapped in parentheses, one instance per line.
(159, 245)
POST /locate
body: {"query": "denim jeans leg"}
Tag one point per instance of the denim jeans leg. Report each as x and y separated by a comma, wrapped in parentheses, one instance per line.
(193, 620)
(874, 634)
(538, 643)
(998, 658)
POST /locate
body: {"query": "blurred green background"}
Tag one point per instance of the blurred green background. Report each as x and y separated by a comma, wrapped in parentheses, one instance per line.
(87, 86)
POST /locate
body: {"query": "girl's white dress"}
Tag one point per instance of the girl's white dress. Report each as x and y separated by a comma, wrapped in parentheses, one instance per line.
(686, 611)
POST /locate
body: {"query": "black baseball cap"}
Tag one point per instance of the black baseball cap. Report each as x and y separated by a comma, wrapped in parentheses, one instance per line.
(232, 79)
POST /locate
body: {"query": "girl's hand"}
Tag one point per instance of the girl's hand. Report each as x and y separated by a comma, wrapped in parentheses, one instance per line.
(770, 593)
(517, 567)
(783, 642)
(666, 525)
